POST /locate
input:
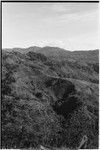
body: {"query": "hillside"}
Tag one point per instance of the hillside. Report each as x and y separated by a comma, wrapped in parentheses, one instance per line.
(49, 97)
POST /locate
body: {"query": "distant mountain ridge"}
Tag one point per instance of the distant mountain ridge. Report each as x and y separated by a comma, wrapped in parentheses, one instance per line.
(59, 53)
(36, 48)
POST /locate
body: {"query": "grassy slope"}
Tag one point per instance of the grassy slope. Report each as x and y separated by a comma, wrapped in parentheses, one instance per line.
(38, 88)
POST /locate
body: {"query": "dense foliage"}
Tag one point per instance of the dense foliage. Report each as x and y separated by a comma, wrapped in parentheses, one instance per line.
(49, 97)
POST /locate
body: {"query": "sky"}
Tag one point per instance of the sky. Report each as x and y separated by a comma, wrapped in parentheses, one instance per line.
(72, 26)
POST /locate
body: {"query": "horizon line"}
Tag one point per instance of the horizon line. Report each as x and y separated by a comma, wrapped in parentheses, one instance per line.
(51, 47)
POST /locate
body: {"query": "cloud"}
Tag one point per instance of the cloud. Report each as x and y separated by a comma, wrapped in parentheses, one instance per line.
(83, 19)
(60, 8)
(70, 8)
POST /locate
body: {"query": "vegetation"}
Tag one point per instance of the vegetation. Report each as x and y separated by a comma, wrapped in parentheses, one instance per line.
(49, 98)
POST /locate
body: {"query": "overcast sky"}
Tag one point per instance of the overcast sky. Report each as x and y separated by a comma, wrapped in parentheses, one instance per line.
(73, 26)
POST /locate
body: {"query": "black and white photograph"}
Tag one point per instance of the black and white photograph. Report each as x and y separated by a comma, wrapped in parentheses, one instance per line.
(50, 75)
